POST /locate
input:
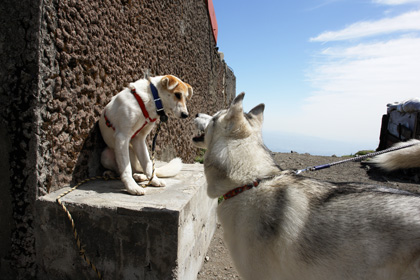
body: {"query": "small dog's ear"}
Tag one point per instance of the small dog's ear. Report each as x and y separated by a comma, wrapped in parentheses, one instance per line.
(257, 112)
(190, 91)
(169, 82)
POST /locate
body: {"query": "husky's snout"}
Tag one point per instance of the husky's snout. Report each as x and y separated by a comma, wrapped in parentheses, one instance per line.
(201, 121)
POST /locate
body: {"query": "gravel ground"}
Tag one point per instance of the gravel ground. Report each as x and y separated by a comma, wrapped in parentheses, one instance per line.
(218, 263)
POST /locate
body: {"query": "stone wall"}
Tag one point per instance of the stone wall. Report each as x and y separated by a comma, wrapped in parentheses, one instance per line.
(62, 61)
(91, 50)
(19, 72)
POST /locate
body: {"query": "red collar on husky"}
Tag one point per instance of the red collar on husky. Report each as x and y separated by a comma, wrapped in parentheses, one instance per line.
(239, 190)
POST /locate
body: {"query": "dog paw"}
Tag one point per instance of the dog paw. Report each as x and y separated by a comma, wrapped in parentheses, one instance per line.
(139, 177)
(109, 174)
(157, 182)
(135, 189)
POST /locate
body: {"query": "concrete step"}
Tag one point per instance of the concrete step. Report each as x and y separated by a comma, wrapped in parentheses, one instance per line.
(162, 235)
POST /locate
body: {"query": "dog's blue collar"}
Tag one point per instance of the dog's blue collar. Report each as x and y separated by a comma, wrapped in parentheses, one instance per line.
(158, 102)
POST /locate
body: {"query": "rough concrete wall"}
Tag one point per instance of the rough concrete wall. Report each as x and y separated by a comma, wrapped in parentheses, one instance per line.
(92, 50)
(62, 61)
(129, 244)
(19, 25)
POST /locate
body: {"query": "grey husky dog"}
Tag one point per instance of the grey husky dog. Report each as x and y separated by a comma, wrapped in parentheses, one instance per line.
(279, 225)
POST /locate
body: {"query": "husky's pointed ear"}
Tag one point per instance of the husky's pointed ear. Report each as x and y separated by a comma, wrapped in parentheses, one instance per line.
(257, 113)
(236, 106)
(238, 99)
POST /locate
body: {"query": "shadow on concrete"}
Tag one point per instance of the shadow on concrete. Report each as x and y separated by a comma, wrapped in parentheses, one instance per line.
(104, 186)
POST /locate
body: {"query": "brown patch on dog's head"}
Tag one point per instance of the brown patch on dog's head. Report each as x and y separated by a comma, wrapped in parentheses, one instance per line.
(173, 84)
(190, 91)
(181, 92)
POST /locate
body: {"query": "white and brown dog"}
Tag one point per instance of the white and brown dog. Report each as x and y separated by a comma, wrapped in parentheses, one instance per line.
(129, 117)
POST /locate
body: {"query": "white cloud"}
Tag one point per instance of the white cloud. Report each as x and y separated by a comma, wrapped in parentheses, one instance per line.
(409, 21)
(354, 84)
(353, 81)
(395, 2)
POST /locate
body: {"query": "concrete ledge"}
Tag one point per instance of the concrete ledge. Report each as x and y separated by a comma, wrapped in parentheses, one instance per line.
(162, 235)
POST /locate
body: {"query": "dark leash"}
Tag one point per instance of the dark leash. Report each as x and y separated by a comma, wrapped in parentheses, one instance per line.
(359, 158)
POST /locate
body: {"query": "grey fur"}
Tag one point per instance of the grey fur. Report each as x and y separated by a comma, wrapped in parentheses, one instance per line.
(293, 227)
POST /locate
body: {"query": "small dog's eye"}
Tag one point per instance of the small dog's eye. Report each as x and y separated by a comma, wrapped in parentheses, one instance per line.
(178, 96)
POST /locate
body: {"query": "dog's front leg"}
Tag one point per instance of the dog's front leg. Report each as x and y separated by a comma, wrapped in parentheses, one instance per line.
(140, 148)
(122, 144)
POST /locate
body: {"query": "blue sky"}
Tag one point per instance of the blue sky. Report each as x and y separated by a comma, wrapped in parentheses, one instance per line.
(325, 69)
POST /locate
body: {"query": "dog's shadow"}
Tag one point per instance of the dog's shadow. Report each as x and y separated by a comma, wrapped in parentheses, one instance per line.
(88, 163)
(88, 166)
(101, 186)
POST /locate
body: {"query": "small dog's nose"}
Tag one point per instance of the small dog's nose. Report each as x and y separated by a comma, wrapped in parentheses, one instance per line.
(184, 115)
(196, 115)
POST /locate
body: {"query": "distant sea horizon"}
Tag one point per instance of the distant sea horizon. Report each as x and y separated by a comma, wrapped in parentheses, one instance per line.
(282, 142)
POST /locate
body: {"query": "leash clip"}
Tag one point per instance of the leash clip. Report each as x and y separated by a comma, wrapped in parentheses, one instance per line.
(163, 118)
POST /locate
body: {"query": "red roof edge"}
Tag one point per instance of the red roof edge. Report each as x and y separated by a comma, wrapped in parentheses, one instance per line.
(213, 19)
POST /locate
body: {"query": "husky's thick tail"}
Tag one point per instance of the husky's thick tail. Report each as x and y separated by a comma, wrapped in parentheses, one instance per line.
(170, 169)
(400, 159)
